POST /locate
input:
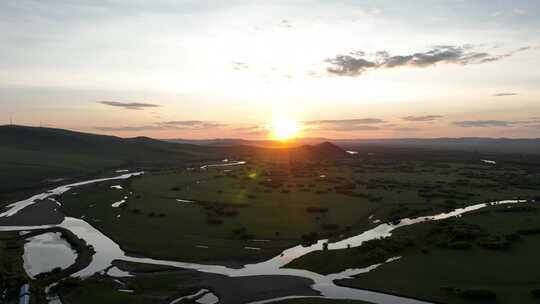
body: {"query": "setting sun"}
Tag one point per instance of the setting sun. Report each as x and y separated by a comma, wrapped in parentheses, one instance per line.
(284, 129)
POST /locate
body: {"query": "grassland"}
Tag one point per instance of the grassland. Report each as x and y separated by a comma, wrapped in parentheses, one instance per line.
(34, 158)
(494, 251)
(12, 274)
(319, 301)
(231, 209)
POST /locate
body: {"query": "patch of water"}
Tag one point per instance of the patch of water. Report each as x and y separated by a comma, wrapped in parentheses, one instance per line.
(183, 201)
(118, 204)
(208, 298)
(190, 297)
(45, 252)
(227, 164)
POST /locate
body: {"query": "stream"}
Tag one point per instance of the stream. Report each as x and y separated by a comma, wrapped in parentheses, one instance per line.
(107, 250)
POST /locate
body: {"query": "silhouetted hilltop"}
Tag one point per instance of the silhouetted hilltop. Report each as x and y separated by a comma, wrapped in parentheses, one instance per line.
(325, 150)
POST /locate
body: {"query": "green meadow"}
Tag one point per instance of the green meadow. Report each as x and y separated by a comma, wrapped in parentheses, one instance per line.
(212, 215)
(493, 251)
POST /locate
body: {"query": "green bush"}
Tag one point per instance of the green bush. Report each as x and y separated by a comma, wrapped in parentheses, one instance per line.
(479, 294)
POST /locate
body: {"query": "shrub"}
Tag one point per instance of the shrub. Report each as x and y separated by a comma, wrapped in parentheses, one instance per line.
(310, 239)
(316, 210)
(529, 231)
(240, 230)
(330, 226)
(536, 292)
(459, 245)
(480, 294)
(215, 221)
(231, 213)
(512, 237)
(494, 243)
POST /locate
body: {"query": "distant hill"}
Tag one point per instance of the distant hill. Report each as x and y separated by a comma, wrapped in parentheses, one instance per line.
(31, 156)
(246, 142)
(325, 150)
(470, 144)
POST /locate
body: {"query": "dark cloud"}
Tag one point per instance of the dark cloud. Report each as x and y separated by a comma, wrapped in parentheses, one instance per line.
(505, 94)
(357, 63)
(129, 105)
(360, 124)
(422, 118)
(346, 65)
(483, 123)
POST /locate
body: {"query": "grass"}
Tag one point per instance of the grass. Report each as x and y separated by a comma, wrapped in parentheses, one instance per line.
(99, 292)
(12, 274)
(319, 301)
(33, 158)
(427, 271)
(231, 207)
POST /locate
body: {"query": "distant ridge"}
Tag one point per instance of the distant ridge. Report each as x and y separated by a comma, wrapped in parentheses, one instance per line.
(480, 144)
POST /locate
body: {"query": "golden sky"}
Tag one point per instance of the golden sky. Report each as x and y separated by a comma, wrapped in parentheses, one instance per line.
(209, 69)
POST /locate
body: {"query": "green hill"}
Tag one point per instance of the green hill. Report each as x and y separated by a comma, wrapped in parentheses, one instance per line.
(32, 157)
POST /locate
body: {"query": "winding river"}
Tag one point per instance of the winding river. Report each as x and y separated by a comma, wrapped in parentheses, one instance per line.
(108, 251)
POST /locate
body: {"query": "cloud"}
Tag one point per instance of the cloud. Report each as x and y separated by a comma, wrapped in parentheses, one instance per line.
(133, 128)
(422, 118)
(285, 23)
(515, 12)
(345, 121)
(505, 94)
(129, 105)
(237, 65)
(354, 128)
(406, 129)
(192, 125)
(483, 123)
(357, 63)
(255, 130)
(360, 124)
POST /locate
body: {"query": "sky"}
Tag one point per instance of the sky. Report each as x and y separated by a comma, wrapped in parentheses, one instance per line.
(228, 69)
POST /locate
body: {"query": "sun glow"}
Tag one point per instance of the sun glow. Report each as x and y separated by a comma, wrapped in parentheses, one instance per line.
(284, 129)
